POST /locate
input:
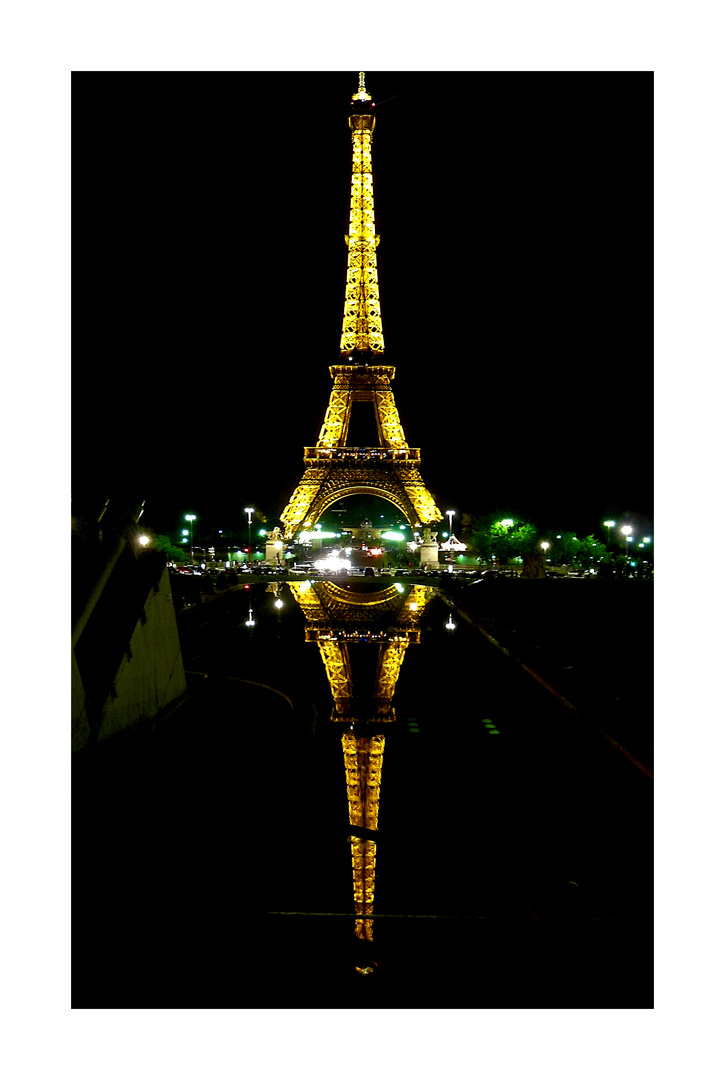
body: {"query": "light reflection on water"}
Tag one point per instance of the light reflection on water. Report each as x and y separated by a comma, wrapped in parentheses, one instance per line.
(341, 620)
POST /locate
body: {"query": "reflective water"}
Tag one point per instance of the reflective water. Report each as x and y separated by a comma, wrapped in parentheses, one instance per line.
(364, 803)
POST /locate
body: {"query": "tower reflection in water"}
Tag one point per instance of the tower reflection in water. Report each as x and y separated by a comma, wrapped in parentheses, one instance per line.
(342, 621)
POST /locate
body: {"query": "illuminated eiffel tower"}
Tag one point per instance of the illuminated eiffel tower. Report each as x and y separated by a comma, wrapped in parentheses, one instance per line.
(333, 469)
(339, 620)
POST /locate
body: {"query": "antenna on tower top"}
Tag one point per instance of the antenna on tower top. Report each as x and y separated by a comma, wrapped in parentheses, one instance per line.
(362, 94)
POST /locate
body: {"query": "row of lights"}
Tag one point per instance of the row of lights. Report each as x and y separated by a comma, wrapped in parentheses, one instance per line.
(626, 530)
(506, 522)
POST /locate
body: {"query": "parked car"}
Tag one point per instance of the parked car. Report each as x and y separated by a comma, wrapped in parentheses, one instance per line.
(487, 575)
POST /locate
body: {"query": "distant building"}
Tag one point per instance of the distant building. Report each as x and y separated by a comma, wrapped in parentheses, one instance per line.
(365, 532)
(125, 652)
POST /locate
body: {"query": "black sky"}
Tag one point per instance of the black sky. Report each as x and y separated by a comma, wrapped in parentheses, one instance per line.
(515, 264)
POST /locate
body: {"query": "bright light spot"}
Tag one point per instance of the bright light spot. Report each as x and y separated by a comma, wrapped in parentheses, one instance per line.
(304, 586)
(392, 536)
(184, 532)
(413, 606)
(143, 540)
(507, 522)
(450, 625)
(305, 537)
(332, 563)
(278, 603)
(399, 587)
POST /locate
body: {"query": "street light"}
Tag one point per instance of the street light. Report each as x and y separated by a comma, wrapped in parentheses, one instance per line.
(249, 510)
(610, 525)
(545, 545)
(450, 515)
(627, 539)
(191, 518)
(143, 540)
(627, 529)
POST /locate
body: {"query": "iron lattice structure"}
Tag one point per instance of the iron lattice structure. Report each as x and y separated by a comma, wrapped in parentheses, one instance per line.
(362, 323)
(333, 469)
(336, 620)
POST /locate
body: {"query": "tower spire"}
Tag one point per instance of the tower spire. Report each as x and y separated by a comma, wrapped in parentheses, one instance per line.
(362, 325)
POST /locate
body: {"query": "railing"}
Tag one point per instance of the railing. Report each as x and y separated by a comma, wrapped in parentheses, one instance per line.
(361, 453)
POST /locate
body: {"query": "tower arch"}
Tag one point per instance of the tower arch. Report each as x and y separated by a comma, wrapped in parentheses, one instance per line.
(343, 488)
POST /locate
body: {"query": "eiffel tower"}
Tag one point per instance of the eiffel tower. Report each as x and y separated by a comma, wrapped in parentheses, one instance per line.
(339, 620)
(333, 469)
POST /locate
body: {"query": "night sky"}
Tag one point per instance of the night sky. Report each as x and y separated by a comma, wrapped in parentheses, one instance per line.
(515, 266)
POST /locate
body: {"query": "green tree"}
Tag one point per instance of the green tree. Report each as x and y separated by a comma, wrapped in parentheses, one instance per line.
(576, 551)
(565, 549)
(593, 551)
(505, 537)
(168, 548)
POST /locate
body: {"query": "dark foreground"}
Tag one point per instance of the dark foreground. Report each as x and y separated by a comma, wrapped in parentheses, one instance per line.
(210, 862)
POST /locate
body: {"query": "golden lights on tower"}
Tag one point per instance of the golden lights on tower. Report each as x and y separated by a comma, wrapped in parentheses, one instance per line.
(362, 324)
(338, 619)
(333, 469)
